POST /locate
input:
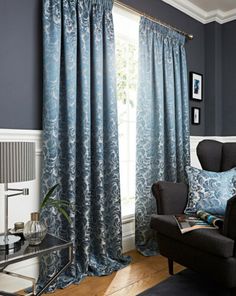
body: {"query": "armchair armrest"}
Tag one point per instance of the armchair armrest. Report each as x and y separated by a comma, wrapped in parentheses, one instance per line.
(229, 228)
(171, 197)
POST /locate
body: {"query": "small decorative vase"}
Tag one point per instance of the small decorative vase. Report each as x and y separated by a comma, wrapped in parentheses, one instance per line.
(35, 230)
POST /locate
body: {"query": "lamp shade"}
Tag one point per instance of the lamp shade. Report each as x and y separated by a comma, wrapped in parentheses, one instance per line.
(17, 162)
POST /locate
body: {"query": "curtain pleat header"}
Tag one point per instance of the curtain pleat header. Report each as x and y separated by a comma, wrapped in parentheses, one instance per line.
(148, 25)
(105, 4)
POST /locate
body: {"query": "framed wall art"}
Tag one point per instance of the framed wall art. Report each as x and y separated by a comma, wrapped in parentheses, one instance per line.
(196, 115)
(196, 86)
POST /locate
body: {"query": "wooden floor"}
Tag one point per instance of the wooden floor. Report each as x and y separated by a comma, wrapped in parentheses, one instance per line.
(141, 274)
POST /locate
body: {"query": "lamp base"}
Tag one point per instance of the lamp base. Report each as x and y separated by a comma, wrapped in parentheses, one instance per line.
(12, 242)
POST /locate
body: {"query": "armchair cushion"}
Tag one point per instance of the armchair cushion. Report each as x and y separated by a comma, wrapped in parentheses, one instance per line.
(206, 240)
(209, 191)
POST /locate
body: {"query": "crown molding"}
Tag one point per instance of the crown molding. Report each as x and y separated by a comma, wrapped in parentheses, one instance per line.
(201, 15)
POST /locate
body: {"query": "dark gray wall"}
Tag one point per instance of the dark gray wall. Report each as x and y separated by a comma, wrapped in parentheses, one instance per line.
(213, 79)
(229, 79)
(195, 48)
(211, 53)
(20, 64)
(220, 68)
(21, 56)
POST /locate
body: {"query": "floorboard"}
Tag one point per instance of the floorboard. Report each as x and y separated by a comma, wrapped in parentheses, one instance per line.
(142, 274)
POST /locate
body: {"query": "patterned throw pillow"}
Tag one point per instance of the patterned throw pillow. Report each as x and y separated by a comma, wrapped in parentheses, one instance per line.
(209, 191)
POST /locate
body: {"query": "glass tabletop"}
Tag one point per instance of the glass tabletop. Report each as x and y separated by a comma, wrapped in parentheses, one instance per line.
(24, 251)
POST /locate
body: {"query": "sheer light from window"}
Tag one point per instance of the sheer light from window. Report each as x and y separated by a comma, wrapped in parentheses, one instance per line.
(126, 26)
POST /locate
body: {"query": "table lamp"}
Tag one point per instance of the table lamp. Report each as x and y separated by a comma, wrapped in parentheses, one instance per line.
(17, 164)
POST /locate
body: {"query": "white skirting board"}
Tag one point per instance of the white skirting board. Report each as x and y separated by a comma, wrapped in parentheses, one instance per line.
(21, 207)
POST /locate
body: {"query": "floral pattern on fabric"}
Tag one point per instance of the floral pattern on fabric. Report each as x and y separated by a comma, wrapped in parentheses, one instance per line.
(209, 191)
(162, 121)
(80, 136)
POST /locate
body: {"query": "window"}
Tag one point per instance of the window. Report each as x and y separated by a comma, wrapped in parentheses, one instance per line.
(126, 27)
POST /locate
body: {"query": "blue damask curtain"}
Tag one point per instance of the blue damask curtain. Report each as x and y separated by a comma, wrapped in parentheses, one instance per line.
(80, 136)
(162, 121)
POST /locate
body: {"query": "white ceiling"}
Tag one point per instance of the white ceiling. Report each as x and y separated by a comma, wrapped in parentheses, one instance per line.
(207, 11)
(209, 5)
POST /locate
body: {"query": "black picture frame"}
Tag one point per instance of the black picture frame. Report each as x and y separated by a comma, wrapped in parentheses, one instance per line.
(196, 115)
(196, 86)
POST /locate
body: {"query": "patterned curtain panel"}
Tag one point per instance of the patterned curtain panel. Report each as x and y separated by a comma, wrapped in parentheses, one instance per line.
(80, 135)
(162, 121)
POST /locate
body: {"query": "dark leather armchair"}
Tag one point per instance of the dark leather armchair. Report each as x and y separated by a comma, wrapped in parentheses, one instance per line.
(211, 252)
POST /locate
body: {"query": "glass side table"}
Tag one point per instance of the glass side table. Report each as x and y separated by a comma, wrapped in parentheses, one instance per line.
(23, 252)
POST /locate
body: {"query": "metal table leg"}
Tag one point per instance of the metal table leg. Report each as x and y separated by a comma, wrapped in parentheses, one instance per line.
(34, 292)
(70, 250)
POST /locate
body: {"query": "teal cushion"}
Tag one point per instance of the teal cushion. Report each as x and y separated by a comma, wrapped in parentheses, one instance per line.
(209, 191)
